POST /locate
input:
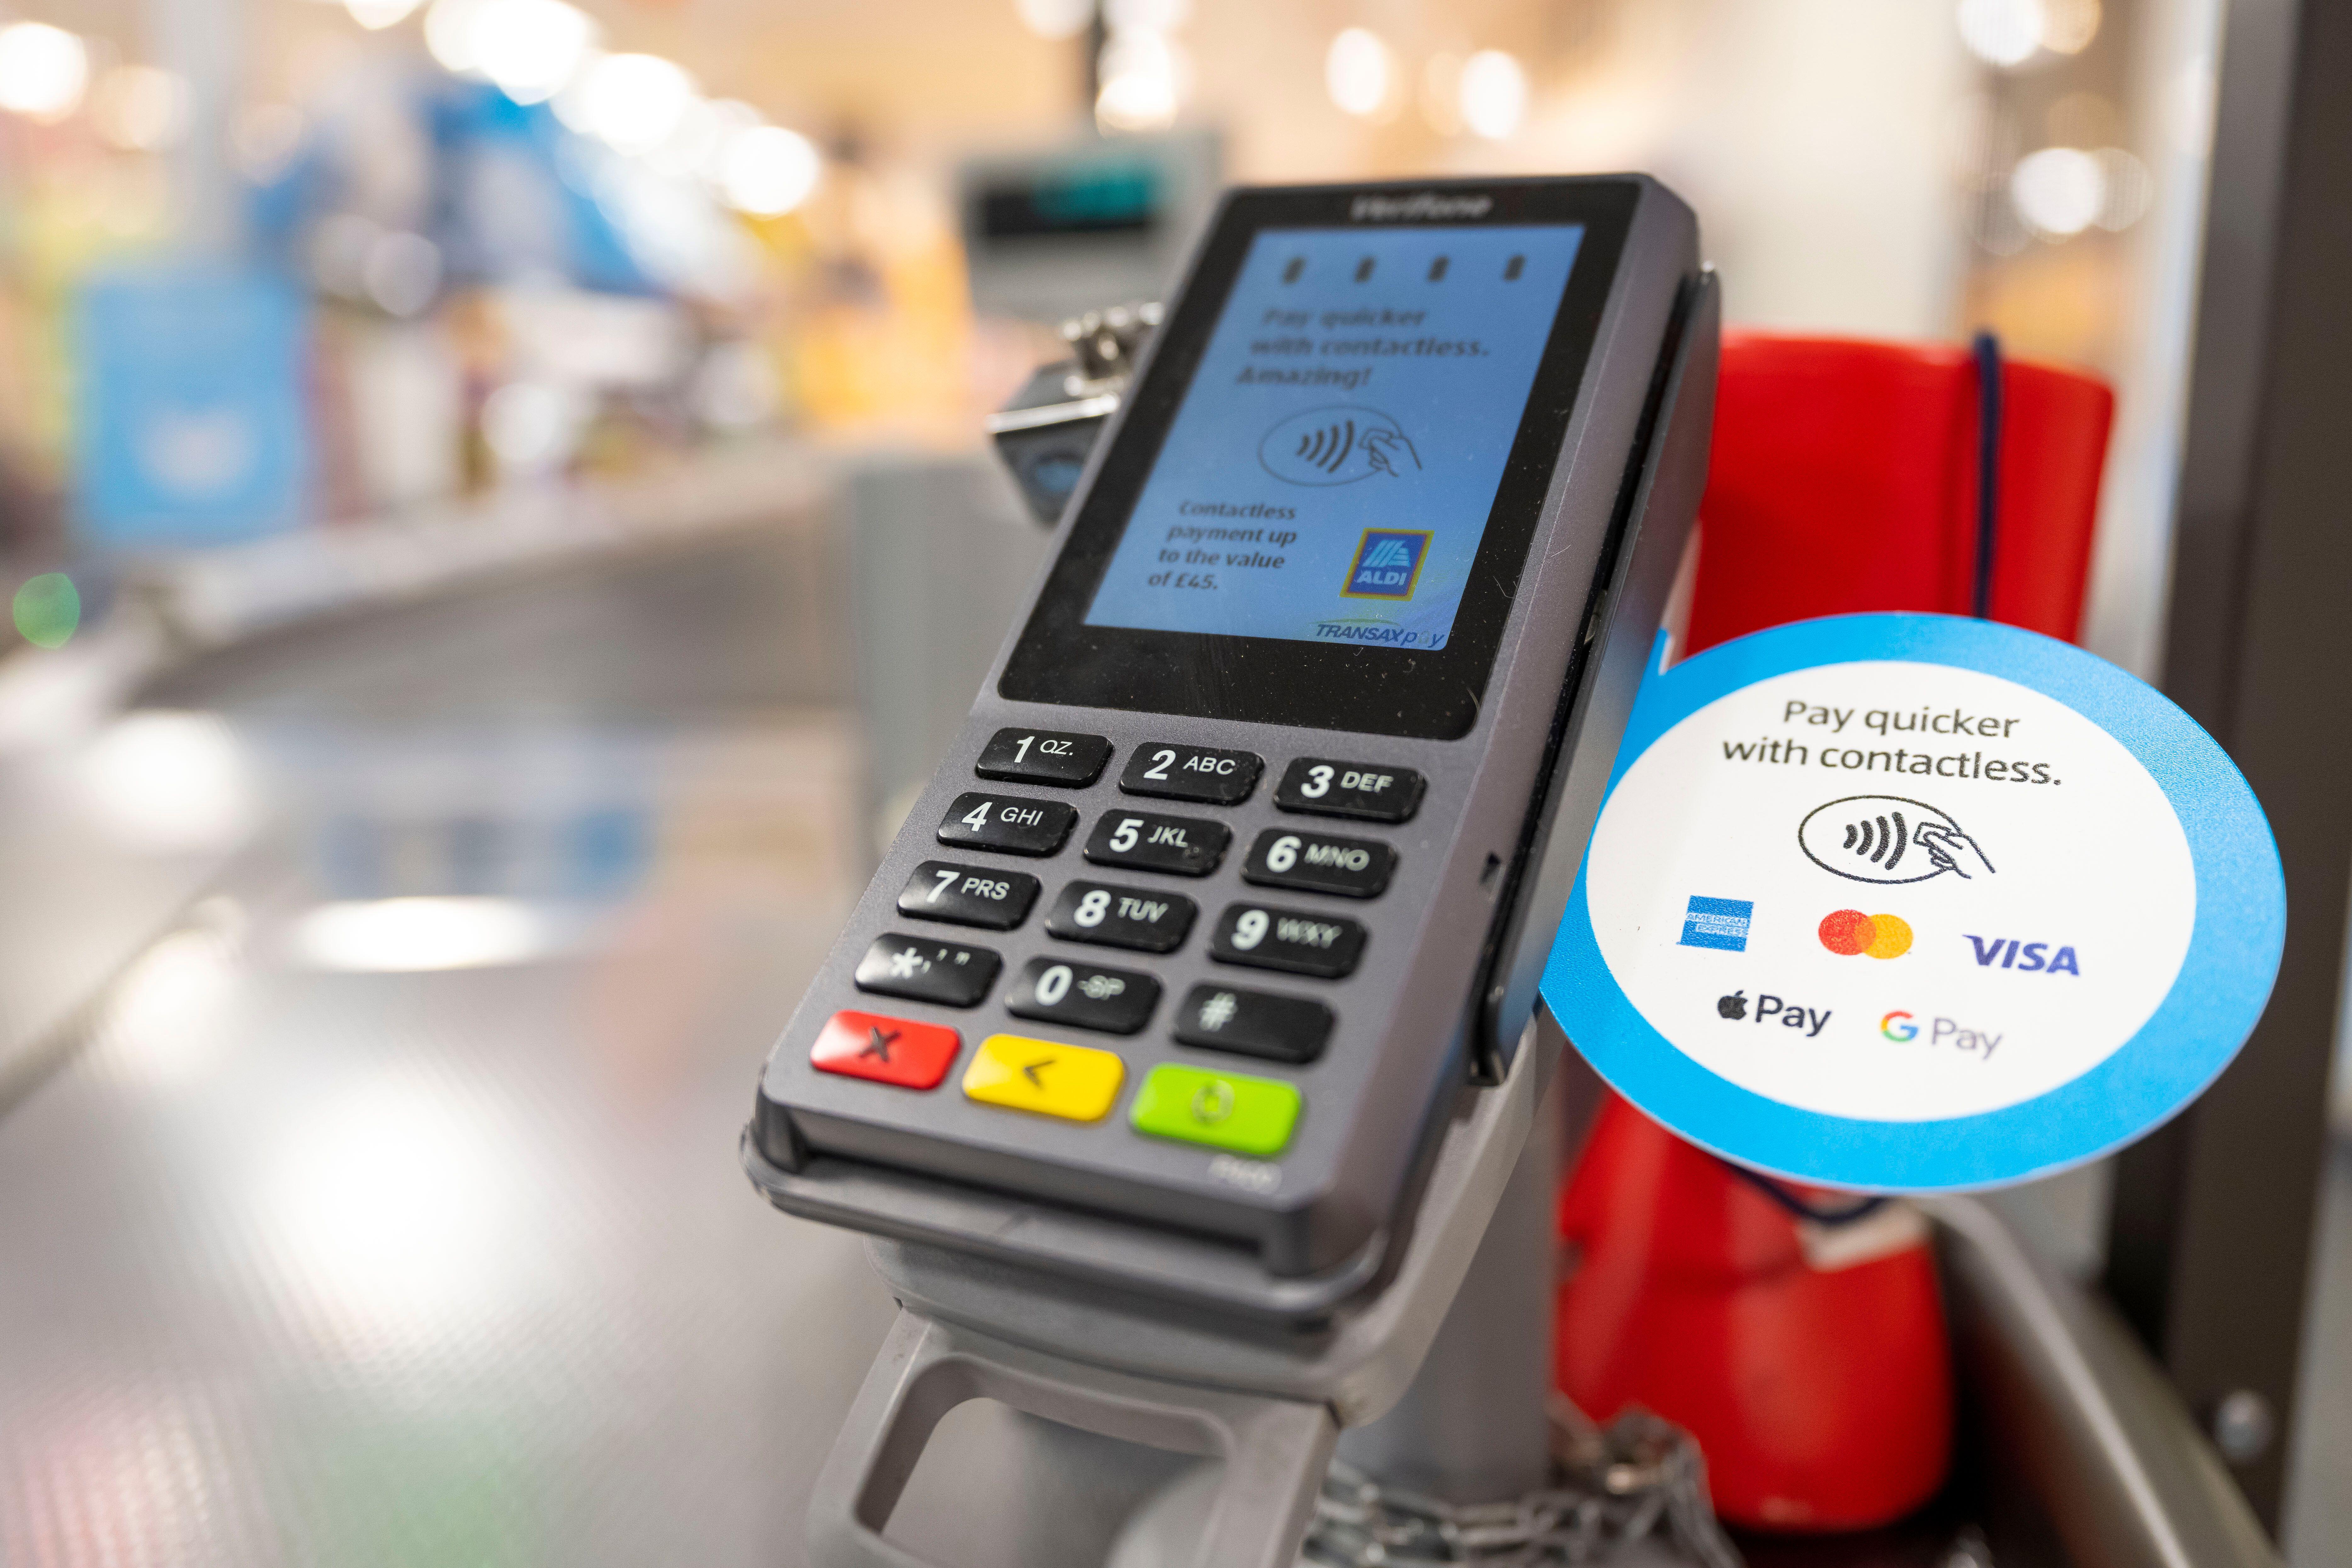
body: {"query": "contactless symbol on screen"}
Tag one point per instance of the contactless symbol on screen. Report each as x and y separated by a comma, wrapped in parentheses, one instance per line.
(1387, 564)
(1338, 445)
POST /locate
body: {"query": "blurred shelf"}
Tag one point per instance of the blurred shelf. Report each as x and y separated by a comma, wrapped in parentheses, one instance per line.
(209, 598)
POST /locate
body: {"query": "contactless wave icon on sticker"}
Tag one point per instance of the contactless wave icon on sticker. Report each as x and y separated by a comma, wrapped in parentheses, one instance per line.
(1338, 445)
(1888, 838)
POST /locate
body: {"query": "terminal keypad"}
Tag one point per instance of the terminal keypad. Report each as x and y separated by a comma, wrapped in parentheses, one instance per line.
(1146, 841)
(1008, 824)
(969, 895)
(1199, 1105)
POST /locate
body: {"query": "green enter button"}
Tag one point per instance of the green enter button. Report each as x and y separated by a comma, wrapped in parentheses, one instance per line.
(1226, 1111)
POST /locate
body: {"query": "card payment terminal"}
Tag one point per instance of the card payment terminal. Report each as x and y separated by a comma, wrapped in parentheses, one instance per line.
(1241, 869)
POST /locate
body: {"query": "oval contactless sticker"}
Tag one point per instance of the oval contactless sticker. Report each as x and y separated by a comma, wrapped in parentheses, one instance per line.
(1912, 903)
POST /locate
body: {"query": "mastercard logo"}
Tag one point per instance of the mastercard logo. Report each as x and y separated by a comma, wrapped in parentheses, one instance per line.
(1850, 931)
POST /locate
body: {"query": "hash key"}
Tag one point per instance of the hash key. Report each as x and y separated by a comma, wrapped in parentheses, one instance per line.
(969, 895)
(1254, 1024)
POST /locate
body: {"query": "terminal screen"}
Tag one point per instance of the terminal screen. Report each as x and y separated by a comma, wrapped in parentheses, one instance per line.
(1330, 472)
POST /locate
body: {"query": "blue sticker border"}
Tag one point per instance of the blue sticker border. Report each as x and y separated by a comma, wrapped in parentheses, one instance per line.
(2215, 1001)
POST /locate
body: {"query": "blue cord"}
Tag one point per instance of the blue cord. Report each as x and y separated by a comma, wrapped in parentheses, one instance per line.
(1986, 347)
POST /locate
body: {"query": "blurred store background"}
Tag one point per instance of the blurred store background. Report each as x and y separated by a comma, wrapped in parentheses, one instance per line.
(495, 513)
(277, 265)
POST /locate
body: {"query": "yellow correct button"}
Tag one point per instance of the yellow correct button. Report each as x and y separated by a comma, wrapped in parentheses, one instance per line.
(1044, 1076)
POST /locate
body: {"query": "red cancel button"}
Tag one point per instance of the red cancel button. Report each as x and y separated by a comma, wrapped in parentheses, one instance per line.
(888, 1050)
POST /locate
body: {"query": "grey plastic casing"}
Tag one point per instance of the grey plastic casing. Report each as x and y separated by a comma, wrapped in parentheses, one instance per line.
(1455, 944)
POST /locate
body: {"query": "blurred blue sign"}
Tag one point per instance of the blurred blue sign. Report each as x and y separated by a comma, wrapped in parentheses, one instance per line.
(189, 419)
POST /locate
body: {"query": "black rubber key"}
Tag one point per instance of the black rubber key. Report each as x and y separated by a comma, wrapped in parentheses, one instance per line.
(1187, 846)
(1202, 773)
(922, 970)
(1319, 863)
(1067, 991)
(1007, 823)
(1043, 756)
(1296, 941)
(1144, 919)
(1368, 793)
(969, 895)
(1254, 1024)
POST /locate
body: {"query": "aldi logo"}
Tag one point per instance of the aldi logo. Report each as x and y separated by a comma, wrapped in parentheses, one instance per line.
(1386, 565)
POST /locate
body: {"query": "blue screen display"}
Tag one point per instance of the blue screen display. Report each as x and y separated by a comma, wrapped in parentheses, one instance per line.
(1330, 472)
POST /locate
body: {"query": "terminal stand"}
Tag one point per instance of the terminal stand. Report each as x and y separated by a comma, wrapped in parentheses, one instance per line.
(1441, 1377)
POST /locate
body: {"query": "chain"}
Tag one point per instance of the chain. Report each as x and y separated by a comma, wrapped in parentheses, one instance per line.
(1638, 1477)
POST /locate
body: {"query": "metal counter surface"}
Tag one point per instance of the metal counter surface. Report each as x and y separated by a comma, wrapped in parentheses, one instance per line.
(304, 1260)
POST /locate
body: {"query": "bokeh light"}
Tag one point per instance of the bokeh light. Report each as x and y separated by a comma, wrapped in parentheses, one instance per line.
(163, 1022)
(634, 102)
(393, 935)
(2069, 25)
(44, 70)
(529, 47)
(47, 609)
(2130, 189)
(449, 33)
(2002, 32)
(2059, 190)
(405, 1202)
(531, 427)
(169, 783)
(377, 15)
(1142, 82)
(1494, 94)
(1055, 18)
(768, 171)
(1358, 71)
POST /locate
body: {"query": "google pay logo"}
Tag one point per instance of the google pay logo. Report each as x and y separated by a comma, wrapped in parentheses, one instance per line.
(1898, 1025)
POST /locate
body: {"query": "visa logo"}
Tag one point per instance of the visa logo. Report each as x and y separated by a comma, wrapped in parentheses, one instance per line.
(1386, 565)
(2010, 952)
